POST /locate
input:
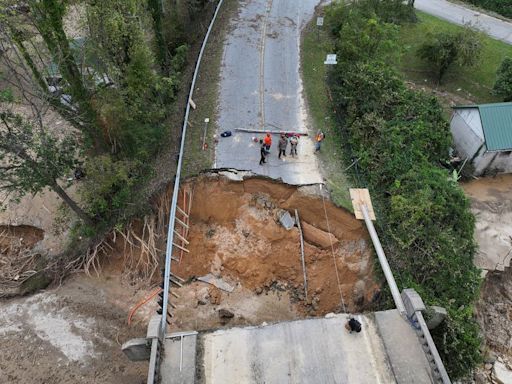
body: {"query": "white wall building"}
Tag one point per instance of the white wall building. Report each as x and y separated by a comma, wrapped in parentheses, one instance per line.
(483, 135)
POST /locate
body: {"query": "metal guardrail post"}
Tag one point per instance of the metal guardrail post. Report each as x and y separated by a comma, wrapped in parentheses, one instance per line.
(438, 363)
(153, 366)
(384, 263)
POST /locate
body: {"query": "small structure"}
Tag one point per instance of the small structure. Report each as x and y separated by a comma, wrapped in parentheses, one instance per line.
(483, 135)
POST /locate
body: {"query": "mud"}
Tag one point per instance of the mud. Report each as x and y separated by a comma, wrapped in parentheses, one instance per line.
(72, 334)
(491, 202)
(235, 235)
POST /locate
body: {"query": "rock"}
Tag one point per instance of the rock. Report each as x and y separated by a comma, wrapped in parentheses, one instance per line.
(490, 358)
(225, 313)
(318, 237)
(501, 373)
(488, 366)
(215, 295)
(259, 291)
(480, 378)
(436, 316)
(202, 302)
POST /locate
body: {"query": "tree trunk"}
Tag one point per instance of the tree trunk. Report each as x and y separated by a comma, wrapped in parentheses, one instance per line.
(72, 204)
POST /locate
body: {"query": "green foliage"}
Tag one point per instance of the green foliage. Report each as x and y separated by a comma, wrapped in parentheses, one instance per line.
(445, 49)
(503, 85)
(361, 38)
(400, 138)
(31, 158)
(503, 7)
(6, 96)
(109, 187)
(132, 111)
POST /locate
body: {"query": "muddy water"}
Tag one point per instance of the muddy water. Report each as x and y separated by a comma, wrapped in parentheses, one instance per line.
(491, 203)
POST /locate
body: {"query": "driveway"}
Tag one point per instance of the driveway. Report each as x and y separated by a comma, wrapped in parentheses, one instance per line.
(261, 89)
(458, 14)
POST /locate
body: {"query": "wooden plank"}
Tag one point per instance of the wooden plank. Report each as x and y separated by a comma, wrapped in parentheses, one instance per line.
(180, 247)
(302, 254)
(181, 237)
(361, 196)
(181, 223)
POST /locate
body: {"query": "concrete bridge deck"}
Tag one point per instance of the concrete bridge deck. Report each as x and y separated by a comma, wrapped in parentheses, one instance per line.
(308, 351)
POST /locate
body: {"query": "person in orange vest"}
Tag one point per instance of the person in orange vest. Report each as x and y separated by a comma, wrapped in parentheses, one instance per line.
(267, 141)
(320, 136)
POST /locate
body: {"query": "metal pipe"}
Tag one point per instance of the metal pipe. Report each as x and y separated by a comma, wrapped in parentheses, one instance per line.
(384, 262)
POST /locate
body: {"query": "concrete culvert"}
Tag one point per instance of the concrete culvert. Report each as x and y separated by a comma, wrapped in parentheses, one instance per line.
(235, 235)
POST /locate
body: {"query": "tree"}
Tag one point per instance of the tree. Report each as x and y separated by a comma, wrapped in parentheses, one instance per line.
(32, 159)
(445, 49)
(503, 84)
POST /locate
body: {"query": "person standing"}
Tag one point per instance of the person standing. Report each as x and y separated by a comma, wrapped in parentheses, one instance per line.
(263, 152)
(267, 141)
(320, 136)
(294, 141)
(283, 143)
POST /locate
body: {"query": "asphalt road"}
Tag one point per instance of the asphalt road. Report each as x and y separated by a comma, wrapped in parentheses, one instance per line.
(457, 14)
(261, 89)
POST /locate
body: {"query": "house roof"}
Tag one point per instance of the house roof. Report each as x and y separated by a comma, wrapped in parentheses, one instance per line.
(497, 124)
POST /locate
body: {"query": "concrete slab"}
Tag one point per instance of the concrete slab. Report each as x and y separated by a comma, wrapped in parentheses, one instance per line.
(305, 351)
(403, 349)
(178, 364)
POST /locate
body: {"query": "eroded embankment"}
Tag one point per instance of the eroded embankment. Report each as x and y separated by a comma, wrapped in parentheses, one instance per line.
(235, 234)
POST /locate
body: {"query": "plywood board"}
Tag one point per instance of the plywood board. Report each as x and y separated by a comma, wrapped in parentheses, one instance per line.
(359, 197)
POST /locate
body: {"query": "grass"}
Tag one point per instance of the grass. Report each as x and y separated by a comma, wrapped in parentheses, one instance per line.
(197, 159)
(315, 46)
(472, 83)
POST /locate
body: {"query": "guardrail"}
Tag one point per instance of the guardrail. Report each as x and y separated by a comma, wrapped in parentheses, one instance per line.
(154, 363)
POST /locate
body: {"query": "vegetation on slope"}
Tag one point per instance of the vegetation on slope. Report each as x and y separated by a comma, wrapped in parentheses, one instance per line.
(401, 139)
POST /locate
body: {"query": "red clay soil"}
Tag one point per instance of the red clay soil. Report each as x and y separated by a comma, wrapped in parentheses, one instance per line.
(235, 234)
(23, 236)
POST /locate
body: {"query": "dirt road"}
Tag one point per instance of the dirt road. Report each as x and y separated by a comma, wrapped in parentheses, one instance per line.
(261, 88)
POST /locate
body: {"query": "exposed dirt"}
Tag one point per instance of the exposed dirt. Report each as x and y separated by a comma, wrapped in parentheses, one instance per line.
(491, 202)
(25, 235)
(235, 235)
(72, 334)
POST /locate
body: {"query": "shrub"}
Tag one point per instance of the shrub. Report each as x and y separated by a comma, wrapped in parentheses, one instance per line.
(446, 49)
(503, 85)
(400, 138)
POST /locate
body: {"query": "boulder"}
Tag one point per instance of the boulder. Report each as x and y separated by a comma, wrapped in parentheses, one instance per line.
(318, 237)
(501, 374)
(225, 314)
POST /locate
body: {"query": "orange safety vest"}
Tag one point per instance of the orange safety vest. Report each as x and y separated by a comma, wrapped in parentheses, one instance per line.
(267, 140)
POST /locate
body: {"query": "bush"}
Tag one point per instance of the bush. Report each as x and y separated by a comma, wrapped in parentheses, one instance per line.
(109, 188)
(503, 85)
(400, 138)
(445, 49)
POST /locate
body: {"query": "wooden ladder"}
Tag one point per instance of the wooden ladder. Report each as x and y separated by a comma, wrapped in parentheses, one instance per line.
(182, 223)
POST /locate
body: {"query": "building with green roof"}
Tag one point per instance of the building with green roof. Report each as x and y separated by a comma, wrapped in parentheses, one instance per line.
(482, 134)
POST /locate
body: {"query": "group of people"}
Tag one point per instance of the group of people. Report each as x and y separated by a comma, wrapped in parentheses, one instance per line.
(282, 145)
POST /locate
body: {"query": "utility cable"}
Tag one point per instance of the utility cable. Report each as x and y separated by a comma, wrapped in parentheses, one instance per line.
(332, 252)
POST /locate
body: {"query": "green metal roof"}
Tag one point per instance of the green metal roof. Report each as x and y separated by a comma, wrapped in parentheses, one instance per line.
(497, 125)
